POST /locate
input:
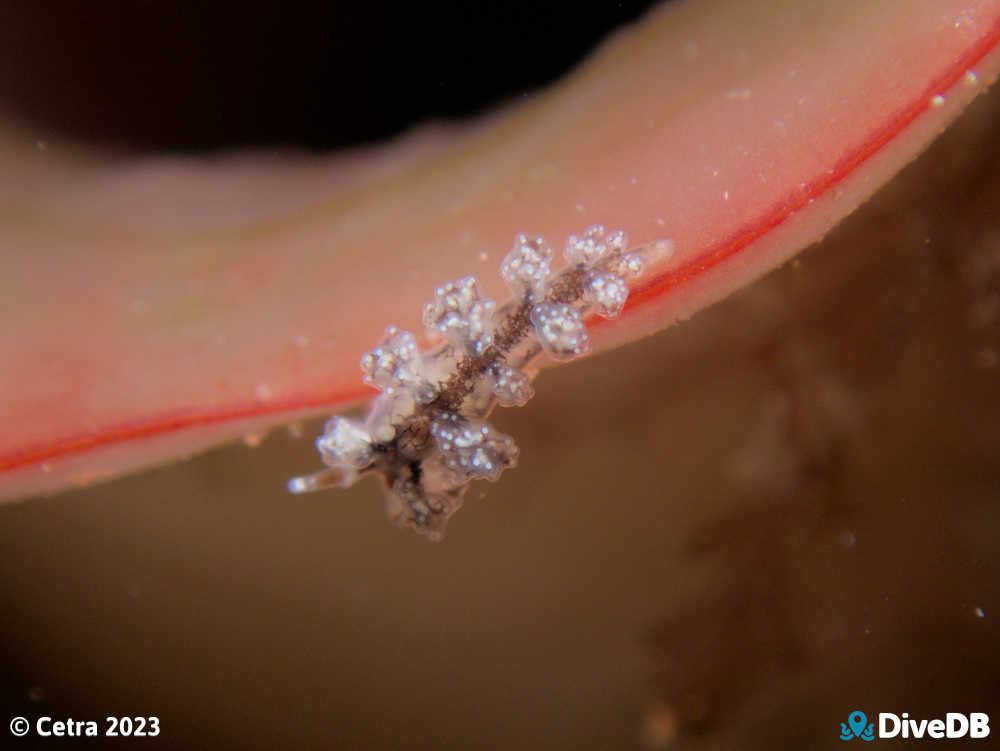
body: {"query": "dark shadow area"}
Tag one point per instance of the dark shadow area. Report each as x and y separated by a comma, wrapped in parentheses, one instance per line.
(179, 76)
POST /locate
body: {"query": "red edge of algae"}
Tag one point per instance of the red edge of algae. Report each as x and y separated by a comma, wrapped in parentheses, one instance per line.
(797, 199)
(777, 214)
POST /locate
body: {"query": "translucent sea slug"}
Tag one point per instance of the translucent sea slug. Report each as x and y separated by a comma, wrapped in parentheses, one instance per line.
(426, 434)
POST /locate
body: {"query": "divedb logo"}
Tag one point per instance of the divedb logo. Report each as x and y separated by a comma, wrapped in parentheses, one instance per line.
(953, 725)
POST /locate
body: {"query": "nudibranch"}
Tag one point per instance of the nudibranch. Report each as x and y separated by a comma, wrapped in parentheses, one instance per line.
(426, 433)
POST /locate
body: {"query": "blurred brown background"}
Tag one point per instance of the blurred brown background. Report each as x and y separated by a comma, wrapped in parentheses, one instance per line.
(732, 533)
(728, 535)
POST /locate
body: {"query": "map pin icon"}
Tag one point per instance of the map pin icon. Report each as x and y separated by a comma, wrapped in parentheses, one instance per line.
(857, 721)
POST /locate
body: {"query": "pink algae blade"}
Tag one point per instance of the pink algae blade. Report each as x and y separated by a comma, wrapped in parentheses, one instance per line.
(142, 341)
